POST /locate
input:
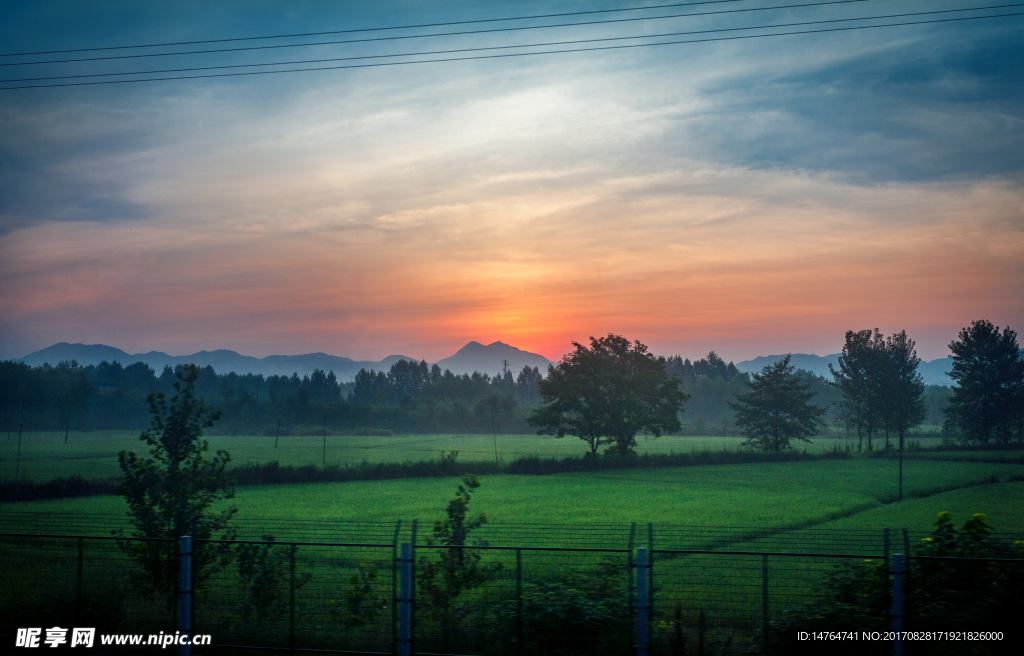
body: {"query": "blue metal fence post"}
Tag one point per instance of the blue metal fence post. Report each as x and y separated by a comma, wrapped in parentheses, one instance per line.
(642, 603)
(78, 586)
(519, 602)
(394, 587)
(764, 602)
(291, 598)
(405, 602)
(185, 593)
(629, 582)
(650, 581)
(897, 604)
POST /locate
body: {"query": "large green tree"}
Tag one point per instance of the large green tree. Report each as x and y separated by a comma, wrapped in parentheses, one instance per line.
(989, 374)
(777, 409)
(903, 405)
(172, 492)
(607, 393)
(861, 379)
(852, 380)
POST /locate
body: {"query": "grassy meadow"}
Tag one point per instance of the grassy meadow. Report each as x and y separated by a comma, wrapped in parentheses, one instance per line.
(44, 455)
(782, 506)
(770, 495)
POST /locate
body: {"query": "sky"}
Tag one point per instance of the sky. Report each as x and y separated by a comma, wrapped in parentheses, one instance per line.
(752, 196)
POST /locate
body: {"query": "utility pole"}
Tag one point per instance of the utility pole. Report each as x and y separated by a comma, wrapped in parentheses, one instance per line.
(324, 465)
(278, 436)
(901, 466)
(494, 427)
(504, 377)
(17, 466)
(67, 428)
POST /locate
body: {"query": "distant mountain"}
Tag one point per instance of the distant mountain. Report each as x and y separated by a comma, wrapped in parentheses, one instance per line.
(85, 354)
(488, 359)
(474, 356)
(816, 364)
(471, 357)
(221, 360)
(935, 372)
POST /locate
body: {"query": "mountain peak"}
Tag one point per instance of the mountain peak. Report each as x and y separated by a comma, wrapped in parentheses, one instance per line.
(489, 359)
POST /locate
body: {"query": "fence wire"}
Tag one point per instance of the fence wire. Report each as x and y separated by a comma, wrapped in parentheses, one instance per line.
(519, 589)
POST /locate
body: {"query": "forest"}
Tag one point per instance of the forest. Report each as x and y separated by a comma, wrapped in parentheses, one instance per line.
(411, 397)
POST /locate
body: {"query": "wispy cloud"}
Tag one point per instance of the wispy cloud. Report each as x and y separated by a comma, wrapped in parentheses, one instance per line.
(753, 197)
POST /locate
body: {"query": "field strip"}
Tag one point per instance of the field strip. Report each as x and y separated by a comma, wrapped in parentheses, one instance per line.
(852, 512)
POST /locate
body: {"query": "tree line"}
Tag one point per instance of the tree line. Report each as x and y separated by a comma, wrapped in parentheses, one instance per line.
(862, 400)
(608, 392)
(409, 397)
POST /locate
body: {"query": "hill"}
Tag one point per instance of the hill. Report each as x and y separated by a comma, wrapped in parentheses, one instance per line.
(488, 359)
(935, 372)
(222, 360)
(471, 357)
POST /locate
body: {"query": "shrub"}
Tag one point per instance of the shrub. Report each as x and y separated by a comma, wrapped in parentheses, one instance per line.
(939, 595)
(576, 612)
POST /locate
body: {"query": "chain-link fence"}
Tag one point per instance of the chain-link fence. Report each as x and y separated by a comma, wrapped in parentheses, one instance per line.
(383, 588)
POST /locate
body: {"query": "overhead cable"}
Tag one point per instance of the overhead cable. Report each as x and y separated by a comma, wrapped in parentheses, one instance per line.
(520, 54)
(369, 29)
(491, 48)
(429, 36)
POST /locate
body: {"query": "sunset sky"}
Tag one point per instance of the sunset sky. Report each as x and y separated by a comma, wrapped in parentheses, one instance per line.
(751, 196)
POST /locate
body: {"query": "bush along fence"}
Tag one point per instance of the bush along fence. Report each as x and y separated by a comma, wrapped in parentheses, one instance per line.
(391, 590)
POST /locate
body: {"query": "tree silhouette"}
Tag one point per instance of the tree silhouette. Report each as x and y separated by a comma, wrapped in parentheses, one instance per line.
(170, 494)
(608, 393)
(777, 409)
(989, 373)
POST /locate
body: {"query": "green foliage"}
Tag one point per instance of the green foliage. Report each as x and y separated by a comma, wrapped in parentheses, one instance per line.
(940, 595)
(608, 393)
(902, 388)
(457, 568)
(857, 378)
(988, 398)
(171, 493)
(363, 602)
(264, 574)
(574, 612)
(881, 388)
(777, 409)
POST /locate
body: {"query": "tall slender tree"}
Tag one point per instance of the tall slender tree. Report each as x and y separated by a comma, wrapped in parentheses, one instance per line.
(777, 409)
(988, 370)
(174, 491)
(904, 406)
(852, 379)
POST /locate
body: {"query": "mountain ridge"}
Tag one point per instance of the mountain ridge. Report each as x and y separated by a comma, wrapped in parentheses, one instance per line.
(474, 356)
(934, 372)
(482, 358)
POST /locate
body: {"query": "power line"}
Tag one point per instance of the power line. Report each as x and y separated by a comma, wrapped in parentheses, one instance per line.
(520, 54)
(491, 48)
(371, 29)
(429, 36)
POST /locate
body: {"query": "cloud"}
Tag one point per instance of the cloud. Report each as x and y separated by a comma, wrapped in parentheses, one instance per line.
(763, 195)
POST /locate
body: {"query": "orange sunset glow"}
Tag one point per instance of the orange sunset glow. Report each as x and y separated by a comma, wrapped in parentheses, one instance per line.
(536, 202)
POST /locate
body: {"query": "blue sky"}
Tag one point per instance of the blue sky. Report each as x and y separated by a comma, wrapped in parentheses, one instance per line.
(751, 196)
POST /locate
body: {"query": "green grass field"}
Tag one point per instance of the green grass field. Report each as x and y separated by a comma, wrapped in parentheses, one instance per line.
(998, 455)
(757, 495)
(94, 454)
(1002, 504)
(770, 506)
